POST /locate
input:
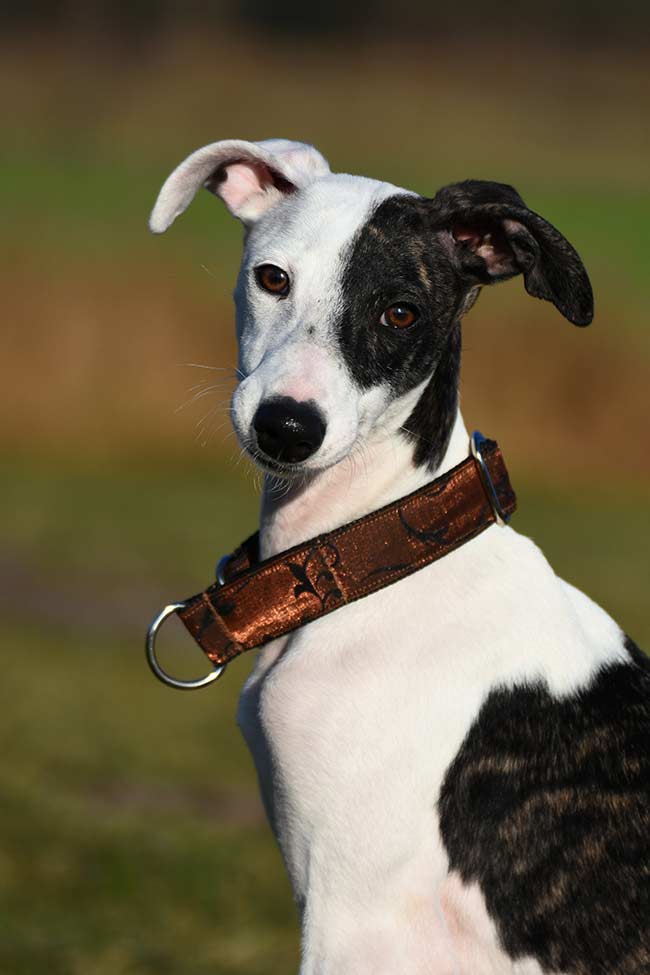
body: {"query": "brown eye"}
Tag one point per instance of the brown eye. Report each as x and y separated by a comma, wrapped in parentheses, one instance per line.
(399, 316)
(273, 279)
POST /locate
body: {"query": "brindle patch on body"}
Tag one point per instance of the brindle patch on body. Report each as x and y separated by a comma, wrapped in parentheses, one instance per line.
(546, 807)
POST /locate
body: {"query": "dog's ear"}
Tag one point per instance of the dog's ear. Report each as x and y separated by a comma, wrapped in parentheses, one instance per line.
(250, 177)
(491, 235)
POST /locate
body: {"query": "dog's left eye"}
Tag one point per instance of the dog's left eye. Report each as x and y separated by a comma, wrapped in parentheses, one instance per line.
(272, 278)
(399, 316)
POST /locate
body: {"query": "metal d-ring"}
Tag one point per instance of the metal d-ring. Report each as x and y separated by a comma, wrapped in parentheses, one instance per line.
(152, 660)
(220, 570)
(476, 443)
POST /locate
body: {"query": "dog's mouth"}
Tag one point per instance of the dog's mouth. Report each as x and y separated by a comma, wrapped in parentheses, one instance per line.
(287, 470)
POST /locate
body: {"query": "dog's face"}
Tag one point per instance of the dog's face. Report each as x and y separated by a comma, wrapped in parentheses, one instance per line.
(350, 294)
(297, 337)
(342, 309)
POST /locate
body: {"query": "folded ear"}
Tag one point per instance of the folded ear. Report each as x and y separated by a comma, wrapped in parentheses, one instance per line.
(491, 235)
(250, 177)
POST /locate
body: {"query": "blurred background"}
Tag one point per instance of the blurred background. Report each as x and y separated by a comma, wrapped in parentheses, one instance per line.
(133, 838)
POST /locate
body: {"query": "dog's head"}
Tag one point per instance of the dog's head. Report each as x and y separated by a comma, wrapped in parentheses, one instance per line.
(351, 291)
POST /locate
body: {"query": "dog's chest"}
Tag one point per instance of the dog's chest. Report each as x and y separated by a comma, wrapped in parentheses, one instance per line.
(352, 728)
(354, 723)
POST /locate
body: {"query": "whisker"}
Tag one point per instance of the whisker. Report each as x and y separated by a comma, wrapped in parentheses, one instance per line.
(200, 390)
(418, 436)
(210, 273)
(202, 365)
(233, 370)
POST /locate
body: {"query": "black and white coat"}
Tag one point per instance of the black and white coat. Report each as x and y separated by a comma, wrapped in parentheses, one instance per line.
(457, 767)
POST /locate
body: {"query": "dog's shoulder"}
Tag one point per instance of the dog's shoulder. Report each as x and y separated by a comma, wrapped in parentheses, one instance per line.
(546, 806)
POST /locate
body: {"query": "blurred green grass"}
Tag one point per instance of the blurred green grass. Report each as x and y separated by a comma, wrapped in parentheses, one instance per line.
(134, 839)
(131, 833)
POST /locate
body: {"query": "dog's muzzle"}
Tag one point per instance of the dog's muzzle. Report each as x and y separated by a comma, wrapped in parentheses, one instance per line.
(288, 431)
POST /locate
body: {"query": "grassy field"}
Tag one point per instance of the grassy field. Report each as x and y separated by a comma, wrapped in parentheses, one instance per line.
(133, 838)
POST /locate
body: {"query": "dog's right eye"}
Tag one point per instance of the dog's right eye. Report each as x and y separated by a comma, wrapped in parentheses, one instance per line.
(399, 316)
(273, 279)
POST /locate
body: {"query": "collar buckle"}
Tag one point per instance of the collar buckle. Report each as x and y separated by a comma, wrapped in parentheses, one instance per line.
(476, 442)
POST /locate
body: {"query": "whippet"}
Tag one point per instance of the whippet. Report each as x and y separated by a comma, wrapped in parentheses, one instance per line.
(456, 766)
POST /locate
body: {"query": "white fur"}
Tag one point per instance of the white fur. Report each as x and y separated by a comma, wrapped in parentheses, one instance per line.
(354, 719)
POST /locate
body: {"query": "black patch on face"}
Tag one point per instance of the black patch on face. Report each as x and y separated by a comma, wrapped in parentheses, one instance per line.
(397, 257)
(430, 424)
(547, 807)
(435, 254)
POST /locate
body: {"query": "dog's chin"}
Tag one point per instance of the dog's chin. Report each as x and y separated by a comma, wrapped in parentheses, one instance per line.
(275, 468)
(299, 472)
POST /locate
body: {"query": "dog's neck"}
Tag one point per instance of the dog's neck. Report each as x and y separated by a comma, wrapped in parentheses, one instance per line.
(384, 472)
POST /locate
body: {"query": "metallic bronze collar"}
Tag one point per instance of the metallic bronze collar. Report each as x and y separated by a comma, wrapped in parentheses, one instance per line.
(254, 602)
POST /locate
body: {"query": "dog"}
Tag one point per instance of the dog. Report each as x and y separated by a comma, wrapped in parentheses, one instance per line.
(457, 767)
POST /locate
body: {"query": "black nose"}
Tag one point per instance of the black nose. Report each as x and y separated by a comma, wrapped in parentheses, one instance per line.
(287, 430)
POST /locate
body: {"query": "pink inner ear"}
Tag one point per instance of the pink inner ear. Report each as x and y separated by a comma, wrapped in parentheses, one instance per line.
(242, 180)
(489, 241)
(470, 234)
(248, 187)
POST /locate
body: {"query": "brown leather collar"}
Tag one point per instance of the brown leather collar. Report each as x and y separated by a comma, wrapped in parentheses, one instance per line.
(259, 601)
